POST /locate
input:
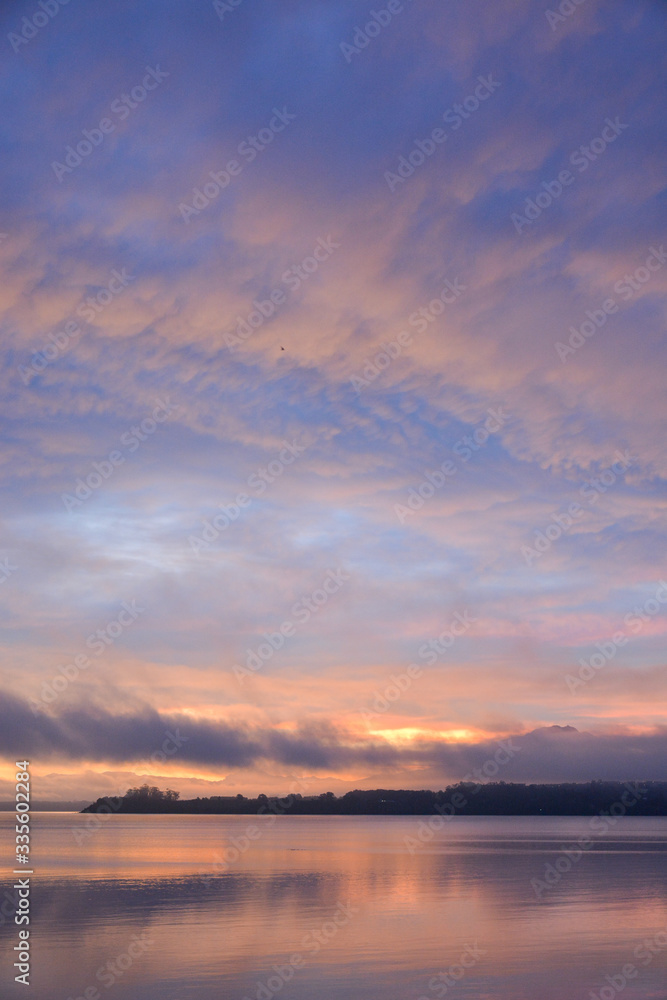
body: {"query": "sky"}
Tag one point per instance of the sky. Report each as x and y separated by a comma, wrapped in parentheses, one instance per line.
(333, 394)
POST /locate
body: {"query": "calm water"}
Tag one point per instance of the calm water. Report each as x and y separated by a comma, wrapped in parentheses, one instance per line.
(342, 908)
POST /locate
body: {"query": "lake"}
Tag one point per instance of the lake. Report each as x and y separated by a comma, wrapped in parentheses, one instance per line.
(340, 908)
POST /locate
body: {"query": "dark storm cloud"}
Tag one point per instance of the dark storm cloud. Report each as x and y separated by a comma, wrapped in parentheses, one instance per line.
(556, 753)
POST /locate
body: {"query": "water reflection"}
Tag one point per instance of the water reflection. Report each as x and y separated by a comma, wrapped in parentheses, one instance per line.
(366, 918)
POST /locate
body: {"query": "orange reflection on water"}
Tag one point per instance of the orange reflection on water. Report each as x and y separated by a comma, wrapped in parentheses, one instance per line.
(225, 899)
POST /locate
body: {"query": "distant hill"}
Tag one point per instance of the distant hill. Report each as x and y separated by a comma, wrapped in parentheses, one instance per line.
(464, 799)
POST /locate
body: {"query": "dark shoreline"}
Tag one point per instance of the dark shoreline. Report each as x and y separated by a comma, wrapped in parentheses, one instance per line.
(614, 798)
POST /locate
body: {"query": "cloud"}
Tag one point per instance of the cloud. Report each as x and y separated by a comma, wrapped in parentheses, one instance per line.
(165, 336)
(92, 733)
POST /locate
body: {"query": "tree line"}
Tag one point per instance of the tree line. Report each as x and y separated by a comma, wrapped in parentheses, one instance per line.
(463, 799)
